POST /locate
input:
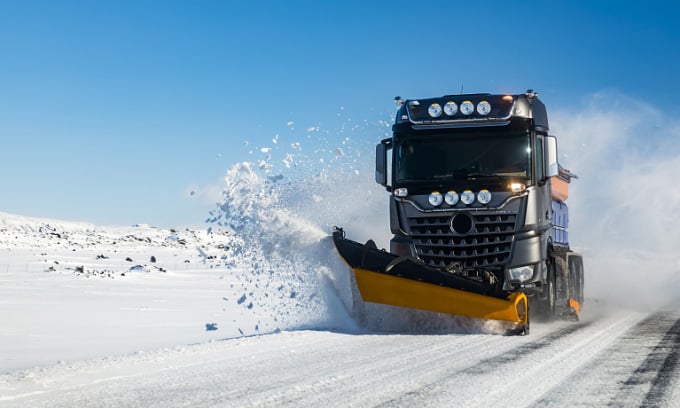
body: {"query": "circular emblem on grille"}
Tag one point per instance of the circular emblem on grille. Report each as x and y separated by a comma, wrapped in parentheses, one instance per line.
(461, 224)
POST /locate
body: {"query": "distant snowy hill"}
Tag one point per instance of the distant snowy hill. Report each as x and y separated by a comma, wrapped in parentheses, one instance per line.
(110, 251)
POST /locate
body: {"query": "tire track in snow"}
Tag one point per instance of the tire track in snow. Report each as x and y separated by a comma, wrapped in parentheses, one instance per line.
(482, 367)
(274, 371)
(635, 370)
(358, 379)
(335, 369)
(519, 376)
(658, 369)
(523, 351)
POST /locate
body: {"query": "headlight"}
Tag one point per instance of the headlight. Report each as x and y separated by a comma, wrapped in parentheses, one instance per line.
(450, 108)
(451, 198)
(517, 187)
(521, 274)
(467, 197)
(435, 198)
(401, 192)
(467, 107)
(483, 108)
(435, 110)
(484, 196)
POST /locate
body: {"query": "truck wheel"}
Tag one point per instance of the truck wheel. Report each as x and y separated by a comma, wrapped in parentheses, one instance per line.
(581, 294)
(565, 289)
(552, 296)
(544, 306)
(576, 280)
(562, 286)
(579, 279)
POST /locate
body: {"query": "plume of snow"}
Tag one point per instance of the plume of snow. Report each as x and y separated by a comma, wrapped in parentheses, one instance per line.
(623, 204)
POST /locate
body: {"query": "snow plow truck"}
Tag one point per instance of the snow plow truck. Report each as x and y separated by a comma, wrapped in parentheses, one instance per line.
(477, 211)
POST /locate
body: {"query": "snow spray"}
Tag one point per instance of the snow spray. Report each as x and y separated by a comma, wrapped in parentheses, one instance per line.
(625, 203)
(279, 210)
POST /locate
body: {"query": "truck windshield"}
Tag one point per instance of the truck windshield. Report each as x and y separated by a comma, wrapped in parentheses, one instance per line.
(463, 156)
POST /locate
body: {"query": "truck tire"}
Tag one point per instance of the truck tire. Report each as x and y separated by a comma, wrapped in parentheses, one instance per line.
(576, 273)
(543, 306)
(562, 286)
(566, 282)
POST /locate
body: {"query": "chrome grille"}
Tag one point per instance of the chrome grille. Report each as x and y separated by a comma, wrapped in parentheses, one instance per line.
(487, 245)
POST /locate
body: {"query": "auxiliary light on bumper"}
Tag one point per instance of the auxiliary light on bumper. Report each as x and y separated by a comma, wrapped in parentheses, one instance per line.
(521, 274)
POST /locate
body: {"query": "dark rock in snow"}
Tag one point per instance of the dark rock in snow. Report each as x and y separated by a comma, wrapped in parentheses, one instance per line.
(153, 259)
(210, 326)
(128, 259)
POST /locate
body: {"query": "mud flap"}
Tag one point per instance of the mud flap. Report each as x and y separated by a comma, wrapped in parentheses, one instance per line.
(575, 306)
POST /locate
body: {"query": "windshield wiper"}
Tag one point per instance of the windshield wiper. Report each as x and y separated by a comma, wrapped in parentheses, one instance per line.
(484, 175)
(463, 174)
(444, 176)
(499, 174)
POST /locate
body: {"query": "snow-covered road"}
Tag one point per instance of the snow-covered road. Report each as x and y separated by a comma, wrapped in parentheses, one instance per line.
(615, 359)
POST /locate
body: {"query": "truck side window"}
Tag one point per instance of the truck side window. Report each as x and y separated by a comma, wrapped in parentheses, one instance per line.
(540, 165)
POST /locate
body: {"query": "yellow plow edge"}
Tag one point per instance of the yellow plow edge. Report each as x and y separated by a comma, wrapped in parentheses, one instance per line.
(391, 290)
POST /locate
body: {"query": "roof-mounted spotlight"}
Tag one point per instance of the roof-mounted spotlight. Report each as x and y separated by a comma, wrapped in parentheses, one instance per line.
(531, 94)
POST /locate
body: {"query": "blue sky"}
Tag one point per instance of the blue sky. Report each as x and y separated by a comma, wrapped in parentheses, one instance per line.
(111, 112)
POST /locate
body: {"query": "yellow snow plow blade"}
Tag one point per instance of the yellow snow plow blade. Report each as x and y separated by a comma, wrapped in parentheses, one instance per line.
(396, 291)
(404, 281)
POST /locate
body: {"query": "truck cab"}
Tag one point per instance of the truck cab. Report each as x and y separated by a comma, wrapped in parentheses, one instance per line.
(471, 180)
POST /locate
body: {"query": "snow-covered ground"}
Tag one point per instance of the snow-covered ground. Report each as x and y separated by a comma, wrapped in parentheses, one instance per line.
(72, 290)
(88, 319)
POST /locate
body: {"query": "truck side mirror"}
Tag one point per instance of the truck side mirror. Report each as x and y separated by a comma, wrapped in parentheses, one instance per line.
(381, 161)
(550, 152)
